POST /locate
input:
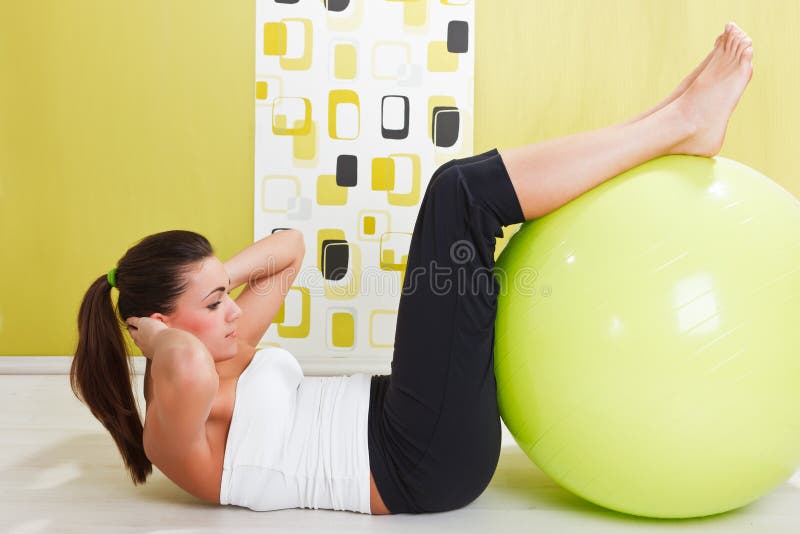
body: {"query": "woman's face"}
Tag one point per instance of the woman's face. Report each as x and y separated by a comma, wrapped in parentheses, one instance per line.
(206, 309)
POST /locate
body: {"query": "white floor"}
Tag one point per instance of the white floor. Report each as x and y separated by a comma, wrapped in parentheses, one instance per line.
(60, 472)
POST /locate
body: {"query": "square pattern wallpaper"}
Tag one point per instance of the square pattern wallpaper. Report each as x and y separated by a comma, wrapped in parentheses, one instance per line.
(357, 102)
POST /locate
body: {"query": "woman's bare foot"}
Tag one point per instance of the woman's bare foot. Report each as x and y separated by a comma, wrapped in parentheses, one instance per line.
(686, 82)
(710, 99)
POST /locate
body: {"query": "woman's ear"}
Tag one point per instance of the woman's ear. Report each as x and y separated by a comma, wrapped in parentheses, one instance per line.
(160, 317)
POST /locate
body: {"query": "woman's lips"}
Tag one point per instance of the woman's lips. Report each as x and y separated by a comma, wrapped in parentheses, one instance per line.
(232, 334)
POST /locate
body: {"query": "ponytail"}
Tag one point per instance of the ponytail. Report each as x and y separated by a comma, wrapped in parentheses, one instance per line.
(100, 376)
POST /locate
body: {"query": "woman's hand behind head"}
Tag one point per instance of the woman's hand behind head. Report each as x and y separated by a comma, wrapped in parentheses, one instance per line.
(143, 330)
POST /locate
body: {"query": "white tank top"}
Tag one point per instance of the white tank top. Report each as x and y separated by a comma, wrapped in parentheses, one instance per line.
(296, 441)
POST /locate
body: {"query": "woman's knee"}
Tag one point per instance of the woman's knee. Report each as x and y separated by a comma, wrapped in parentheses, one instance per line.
(445, 182)
(444, 169)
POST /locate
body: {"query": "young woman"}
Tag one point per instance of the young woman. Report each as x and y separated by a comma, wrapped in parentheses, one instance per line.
(234, 425)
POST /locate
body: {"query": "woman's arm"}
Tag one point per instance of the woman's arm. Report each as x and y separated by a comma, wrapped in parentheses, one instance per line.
(185, 384)
(184, 381)
(268, 267)
(266, 257)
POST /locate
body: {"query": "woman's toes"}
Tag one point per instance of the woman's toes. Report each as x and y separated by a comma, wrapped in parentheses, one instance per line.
(747, 55)
(729, 40)
(737, 47)
(734, 36)
(743, 46)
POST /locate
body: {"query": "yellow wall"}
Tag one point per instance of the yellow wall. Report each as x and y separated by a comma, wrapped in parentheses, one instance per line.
(119, 119)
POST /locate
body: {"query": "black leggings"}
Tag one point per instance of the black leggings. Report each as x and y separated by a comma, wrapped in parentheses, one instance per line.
(434, 428)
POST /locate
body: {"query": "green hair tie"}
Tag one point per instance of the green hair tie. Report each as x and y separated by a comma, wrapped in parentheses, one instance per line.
(112, 277)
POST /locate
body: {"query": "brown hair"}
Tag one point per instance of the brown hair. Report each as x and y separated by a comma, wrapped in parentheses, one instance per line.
(150, 277)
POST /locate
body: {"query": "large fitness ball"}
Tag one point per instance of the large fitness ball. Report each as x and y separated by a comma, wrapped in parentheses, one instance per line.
(647, 345)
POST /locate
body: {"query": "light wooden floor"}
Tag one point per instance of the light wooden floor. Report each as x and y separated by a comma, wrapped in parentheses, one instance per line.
(60, 472)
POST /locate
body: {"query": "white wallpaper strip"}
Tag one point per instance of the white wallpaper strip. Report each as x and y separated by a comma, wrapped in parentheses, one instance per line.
(357, 103)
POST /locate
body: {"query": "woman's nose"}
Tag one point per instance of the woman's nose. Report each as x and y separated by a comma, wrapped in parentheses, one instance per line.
(235, 311)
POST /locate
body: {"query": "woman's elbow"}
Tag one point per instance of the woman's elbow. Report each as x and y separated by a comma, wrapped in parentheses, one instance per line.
(300, 245)
(185, 365)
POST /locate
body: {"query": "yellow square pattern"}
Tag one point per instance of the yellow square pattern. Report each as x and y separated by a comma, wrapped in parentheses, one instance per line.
(345, 61)
(274, 38)
(329, 193)
(262, 90)
(415, 13)
(382, 174)
(439, 59)
(369, 225)
(305, 146)
(343, 329)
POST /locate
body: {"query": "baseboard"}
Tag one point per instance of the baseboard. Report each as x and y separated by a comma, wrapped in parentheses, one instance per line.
(312, 366)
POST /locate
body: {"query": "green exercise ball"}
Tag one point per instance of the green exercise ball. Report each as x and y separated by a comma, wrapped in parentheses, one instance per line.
(647, 344)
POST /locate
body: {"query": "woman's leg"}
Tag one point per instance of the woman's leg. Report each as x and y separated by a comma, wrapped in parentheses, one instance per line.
(434, 427)
(434, 430)
(549, 174)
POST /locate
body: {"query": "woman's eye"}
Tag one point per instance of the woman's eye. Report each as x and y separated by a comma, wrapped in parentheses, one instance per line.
(214, 306)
